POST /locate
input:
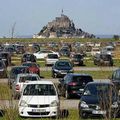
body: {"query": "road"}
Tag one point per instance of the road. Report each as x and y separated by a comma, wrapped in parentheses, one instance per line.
(81, 68)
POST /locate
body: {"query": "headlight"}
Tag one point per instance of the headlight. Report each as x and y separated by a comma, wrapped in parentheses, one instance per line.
(56, 70)
(54, 103)
(115, 105)
(23, 103)
(83, 104)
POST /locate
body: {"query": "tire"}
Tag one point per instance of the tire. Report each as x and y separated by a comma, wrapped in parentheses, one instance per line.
(83, 115)
(67, 96)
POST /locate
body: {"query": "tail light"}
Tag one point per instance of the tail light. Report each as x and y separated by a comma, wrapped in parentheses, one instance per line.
(72, 83)
(17, 87)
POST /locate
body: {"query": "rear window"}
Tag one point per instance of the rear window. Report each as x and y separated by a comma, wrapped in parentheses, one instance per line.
(40, 90)
(28, 78)
(81, 79)
(52, 56)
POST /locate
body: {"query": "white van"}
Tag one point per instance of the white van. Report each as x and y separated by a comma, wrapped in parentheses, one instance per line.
(39, 99)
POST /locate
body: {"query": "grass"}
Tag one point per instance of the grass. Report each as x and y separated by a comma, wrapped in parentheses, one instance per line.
(94, 74)
(5, 92)
(31, 40)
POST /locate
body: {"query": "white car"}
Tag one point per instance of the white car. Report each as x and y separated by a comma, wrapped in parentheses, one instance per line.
(19, 82)
(51, 59)
(43, 53)
(39, 99)
(95, 50)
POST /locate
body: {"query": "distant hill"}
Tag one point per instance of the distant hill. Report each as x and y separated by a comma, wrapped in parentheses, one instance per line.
(62, 27)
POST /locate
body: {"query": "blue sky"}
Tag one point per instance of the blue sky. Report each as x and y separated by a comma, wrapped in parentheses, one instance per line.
(93, 16)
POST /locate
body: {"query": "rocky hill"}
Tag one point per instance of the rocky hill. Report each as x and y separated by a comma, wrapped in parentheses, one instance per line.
(62, 27)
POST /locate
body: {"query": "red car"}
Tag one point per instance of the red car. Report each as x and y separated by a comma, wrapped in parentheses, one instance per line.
(33, 67)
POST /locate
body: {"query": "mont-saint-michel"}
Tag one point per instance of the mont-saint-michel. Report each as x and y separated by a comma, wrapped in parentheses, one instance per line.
(62, 27)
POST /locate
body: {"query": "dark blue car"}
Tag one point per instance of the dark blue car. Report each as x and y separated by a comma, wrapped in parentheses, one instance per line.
(61, 68)
(99, 99)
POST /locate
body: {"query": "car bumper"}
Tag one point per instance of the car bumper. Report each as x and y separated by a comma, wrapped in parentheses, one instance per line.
(38, 112)
(62, 74)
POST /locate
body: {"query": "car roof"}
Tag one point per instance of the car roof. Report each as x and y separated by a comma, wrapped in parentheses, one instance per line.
(27, 74)
(40, 82)
(100, 82)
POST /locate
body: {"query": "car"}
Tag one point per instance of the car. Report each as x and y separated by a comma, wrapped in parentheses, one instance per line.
(108, 50)
(33, 67)
(39, 99)
(43, 53)
(20, 49)
(6, 57)
(61, 68)
(14, 72)
(19, 82)
(73, 84)
(99, 99)
(77, 59)
(103, 60)
(3, 70)
(64, 51)
(51, 58)
(28, 57)
(115, 78)
(95, 50)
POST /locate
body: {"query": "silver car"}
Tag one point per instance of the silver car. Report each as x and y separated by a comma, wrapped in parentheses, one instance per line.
(19, 82)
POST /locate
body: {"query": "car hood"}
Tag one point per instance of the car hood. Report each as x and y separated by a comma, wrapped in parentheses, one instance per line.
(39, 99)
(90, 99)
(95, 99)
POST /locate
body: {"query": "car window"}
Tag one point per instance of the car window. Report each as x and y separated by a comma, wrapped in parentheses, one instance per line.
(116, 75)
(28, 78)
(52, 56)
(99, 90)
(63, 64)
(39, 89)
(82, 79)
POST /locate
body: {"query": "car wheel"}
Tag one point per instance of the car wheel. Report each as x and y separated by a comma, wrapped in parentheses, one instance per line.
(83, 115)
(67, 96)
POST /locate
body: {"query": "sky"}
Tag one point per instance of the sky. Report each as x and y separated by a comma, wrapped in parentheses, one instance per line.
(29, 16)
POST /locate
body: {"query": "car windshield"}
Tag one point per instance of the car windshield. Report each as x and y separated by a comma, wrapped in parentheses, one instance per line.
(29, 65)
(54, 56)
(77, 56)
(63, 64)
(28, 78)
(99, 90)
(39, 89)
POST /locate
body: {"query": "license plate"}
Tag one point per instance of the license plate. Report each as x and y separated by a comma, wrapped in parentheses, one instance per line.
(38, 110)
(98, 112)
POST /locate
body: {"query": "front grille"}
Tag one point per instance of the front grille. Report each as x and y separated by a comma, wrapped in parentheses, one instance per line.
(92, 106)
(38, 106)
(38, 113)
